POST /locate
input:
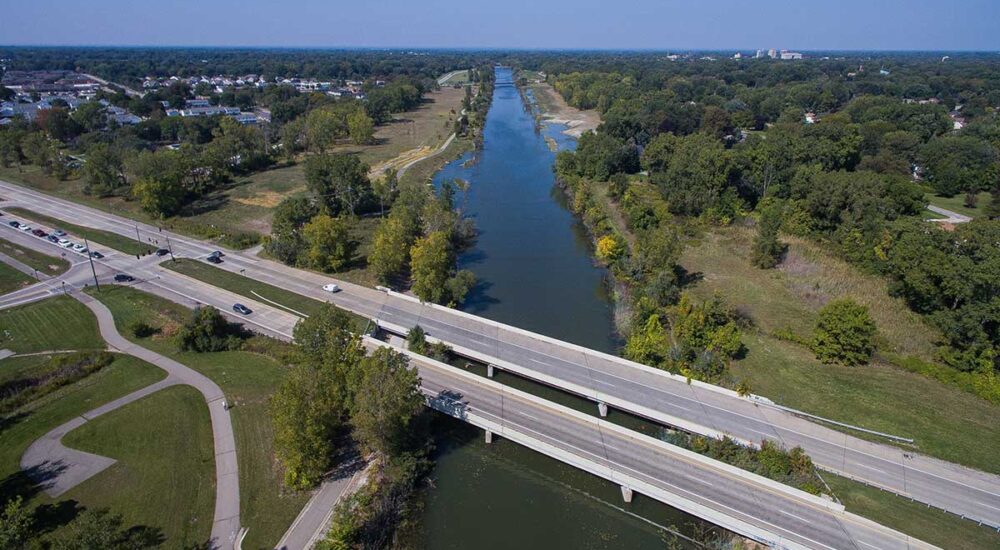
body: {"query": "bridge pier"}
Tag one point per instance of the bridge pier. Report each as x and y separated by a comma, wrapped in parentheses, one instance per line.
(602, 408)
(627, 494)
(489, 371)
(489, 437)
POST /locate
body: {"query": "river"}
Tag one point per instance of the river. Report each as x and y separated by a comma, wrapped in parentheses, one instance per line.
(534, 265)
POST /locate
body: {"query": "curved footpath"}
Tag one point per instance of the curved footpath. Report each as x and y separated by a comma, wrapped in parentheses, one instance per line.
(64, 468)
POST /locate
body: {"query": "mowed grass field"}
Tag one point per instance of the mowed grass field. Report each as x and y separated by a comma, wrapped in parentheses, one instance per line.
(12, 279)
(44, 263)
(945, 421)
(248, 380)
(59, 323)
(165, 474)
(957, 204)
(245, 206)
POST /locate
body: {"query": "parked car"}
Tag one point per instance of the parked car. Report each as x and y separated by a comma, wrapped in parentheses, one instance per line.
(162, 252)
(14, 224)
(330, 287)
(59, 233)
(53, 239)
(214, 259)
(95, 254)
(79, 248)
(124, 278)
(242, 309)
(39, 233)
(25, 227)
(65, 244)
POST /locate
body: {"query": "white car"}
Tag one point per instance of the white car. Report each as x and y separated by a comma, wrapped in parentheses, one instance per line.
(330, 287)
(79, 248)
(65, 243)
(25, 227)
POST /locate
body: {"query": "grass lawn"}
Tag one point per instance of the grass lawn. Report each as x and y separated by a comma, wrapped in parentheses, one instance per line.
(246, 286)
(913, 518)
(106, 238)
(44, 263)
(17, 431)
(957, 203)
(165, 474)
(945, 421)
(248, 379)
(457, 77)
(59, 323)
(12, 279)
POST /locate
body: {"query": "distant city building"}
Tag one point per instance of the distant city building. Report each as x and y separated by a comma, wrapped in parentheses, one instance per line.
(737, 55)
(772, 53)
(760, 54)
(785, 54)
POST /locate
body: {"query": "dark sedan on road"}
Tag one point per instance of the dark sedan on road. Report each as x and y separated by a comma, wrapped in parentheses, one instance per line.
(15, 225)
(214, 259)
(52, 239)
(242, 309)
(124, 278)
(162, 252)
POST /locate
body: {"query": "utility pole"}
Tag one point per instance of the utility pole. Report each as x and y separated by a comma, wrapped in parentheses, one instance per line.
(171, 250)
(92, 268)
(137, 237)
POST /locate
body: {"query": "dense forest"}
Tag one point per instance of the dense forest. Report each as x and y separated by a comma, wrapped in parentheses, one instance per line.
(841, 151)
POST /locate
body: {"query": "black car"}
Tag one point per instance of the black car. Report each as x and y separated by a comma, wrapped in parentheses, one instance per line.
(97, 255)
(52, 239)
(240, 308)
(124, 278)
(162, 252)
(216, 254)
(14, 224)
(214, 259)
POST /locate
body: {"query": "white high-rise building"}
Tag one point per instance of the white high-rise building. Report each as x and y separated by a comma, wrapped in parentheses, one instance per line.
(772, 53)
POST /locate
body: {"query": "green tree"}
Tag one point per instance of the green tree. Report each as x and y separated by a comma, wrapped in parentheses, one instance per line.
(104, 170)
(330, 246)
(698, 175)
(159, 197)
(91, 116)
(286, 241)
(388, 398)
(767, 249)
(339, 182)
(390, 254)
(102, 529)
(386, 188)
(323, 128)
(844, 333)
(208, 330)
(959, 164)
(431, 264)
(361, 127)
(16, 524)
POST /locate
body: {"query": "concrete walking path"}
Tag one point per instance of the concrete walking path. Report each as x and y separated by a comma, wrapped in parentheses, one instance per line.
(64, 468)
(950, 216)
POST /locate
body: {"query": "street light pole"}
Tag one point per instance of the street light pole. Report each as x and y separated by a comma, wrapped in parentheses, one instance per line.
(171, 250)
(92, 268)
(137, 237)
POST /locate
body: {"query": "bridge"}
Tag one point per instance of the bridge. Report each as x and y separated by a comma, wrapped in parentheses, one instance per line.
(607, 380)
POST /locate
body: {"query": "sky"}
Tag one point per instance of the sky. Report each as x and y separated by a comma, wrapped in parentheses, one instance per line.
(521, 24)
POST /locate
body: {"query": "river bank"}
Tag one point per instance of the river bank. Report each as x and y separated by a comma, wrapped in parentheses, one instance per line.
(555, 110)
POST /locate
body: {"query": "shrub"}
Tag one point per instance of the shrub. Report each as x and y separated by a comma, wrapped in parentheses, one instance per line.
(208, 330)
(844, 333)
(142, 329)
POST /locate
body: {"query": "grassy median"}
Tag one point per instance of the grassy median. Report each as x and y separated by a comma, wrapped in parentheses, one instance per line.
(59, 323)
(44, 263)
(248, 379)
(12, 279)
(99, 236)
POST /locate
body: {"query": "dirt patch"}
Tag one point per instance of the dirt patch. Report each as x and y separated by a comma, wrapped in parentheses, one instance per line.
(264, 199)
(556, 110)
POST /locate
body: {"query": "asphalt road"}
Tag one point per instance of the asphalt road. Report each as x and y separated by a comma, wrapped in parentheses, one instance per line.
(622, 384)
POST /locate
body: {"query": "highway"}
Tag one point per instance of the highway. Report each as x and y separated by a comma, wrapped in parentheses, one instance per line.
(755, 507)
(700, 408)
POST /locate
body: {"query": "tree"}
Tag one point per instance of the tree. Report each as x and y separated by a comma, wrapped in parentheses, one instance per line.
(431, 263)
(91, 116)
(105, 171)
(391, 249)
(698, 175)
(102, 529)
(609, 249)
(286, 242)
(208, 330)
(767, 249)
(159, 197)
(59, 124)
(416, 340)
(387, 400)
(360, 127)
(323, 128)
(339, 182)
(386, 188)
(844, 333)
(16, 524)
(329, 242)
(960, 164)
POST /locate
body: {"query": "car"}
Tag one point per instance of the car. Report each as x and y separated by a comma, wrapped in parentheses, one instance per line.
(59, 233)
(124, 278)
(53, 239)
(79, 248)
(25, 227)
(39, 233)
(214, 259)
(330, 287)
(65, 244)
(242, 309)
(14, 224)
(162, 252)
(217, 254)
(95, 254)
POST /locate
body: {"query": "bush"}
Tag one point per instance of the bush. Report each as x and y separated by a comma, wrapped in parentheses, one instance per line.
(844, 333)
(208, 330)
(142, 329)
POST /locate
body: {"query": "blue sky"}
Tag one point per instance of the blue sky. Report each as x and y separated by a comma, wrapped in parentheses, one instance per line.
(648, 24)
